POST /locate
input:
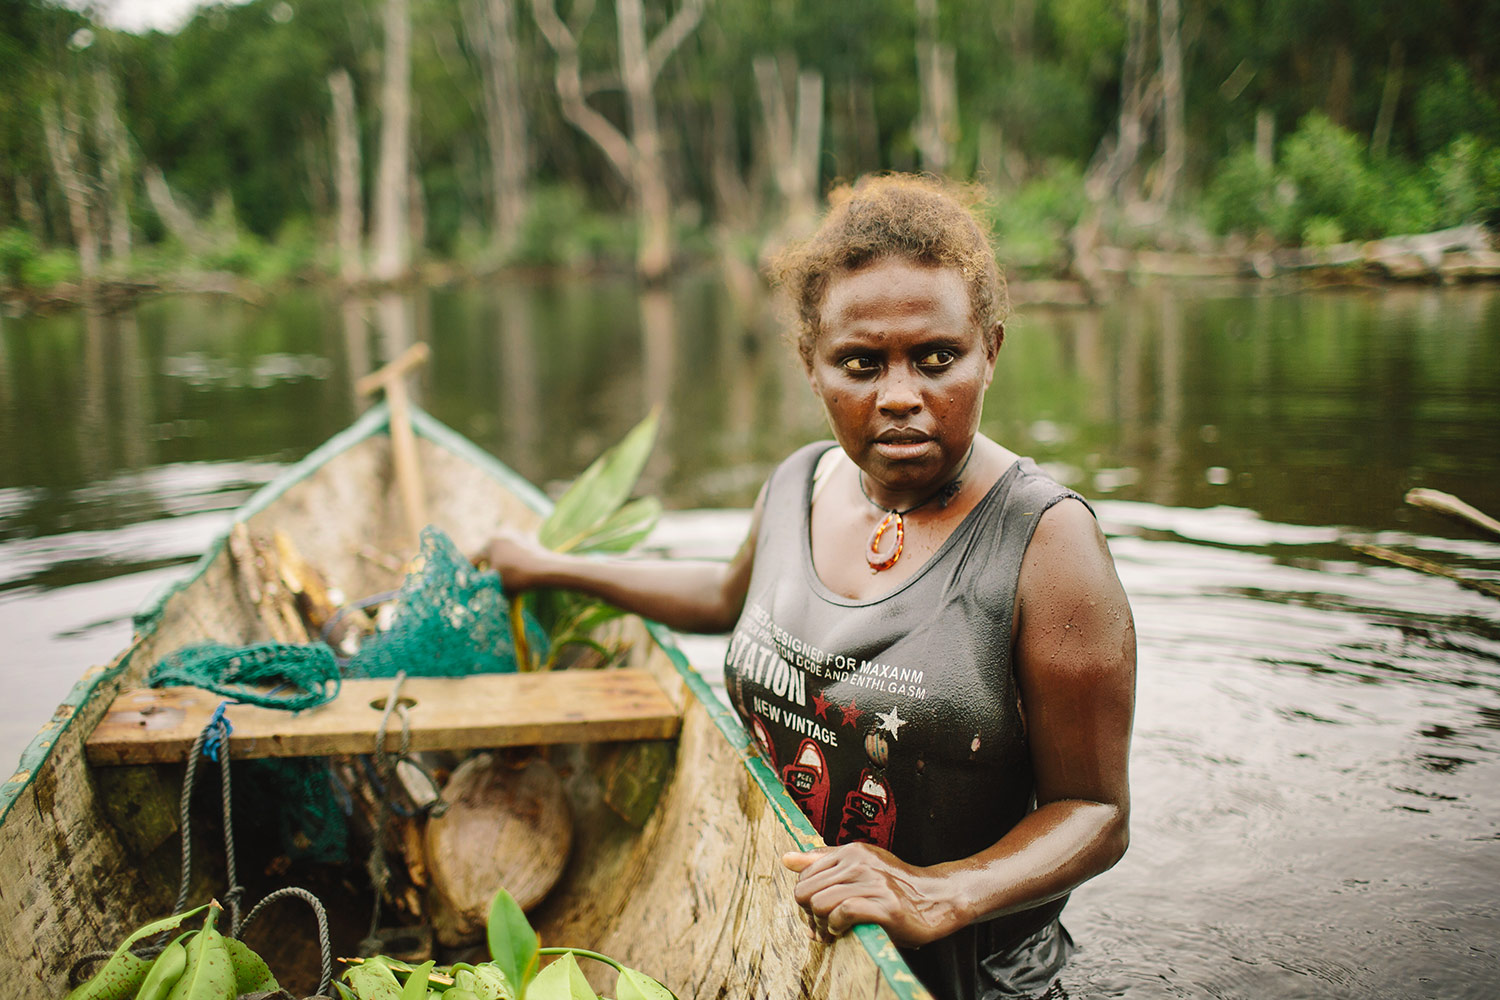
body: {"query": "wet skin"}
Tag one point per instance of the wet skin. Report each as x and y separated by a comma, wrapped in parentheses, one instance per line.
(901, 372)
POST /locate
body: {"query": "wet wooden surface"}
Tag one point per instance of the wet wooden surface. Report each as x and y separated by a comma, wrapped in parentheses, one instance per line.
(159, 725)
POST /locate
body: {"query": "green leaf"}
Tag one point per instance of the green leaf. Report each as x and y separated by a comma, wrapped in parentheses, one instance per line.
(633, 985)
(601, 489)
(491, 983)
(562, 980)
(416, 983)
(625, 528)
(164, 924)
(583, 618)
(513, 943)
(373, 980)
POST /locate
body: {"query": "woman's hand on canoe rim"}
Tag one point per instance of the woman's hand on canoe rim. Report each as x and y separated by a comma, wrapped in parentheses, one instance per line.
(863, 884)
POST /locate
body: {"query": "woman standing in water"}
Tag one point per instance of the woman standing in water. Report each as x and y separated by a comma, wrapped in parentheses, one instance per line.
(930, 643)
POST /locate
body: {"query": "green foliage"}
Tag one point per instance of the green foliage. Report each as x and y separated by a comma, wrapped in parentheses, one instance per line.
(1327, 165)
(51, 267)
(1322, 231)
(562, 980)
(589, 516)
(1243, 196)
(1465, 178)
(1031, 224)
(593, 515)
(1045, 110)
(235, 109)
(512, 942)
(1450, 105)
(562, 230)
(17, 251)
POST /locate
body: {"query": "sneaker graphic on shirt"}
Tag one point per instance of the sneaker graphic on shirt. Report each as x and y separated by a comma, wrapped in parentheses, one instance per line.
(763, 737)
(806, 780)
(869, 812)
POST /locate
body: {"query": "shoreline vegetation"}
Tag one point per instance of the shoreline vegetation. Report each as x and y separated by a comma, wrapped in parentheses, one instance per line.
(380, 143)
(1458, 256)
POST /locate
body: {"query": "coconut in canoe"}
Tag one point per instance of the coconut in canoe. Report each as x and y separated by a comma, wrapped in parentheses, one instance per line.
(676, 825)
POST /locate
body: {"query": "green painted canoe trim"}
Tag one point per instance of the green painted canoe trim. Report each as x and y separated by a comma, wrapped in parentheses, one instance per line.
(377, 420)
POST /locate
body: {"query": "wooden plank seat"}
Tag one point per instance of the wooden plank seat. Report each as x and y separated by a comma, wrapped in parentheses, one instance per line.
(159, 725)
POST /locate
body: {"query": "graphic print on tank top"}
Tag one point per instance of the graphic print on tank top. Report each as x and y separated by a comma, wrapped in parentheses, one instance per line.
(790, 690)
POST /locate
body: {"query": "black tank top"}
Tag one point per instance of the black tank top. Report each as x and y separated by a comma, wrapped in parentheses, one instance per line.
(897, 720)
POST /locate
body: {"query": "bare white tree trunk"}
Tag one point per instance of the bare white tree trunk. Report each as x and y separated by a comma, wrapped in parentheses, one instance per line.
(391, 236)
(653, 200)
(62, 147)
(1174, 132)
(115, 163)
(793, 144)
(636, 157)
(1116, 160)
(1265, 137)
(177, 219)
(1380, 139)
(936, 128)
(351, 222)
(492, 33)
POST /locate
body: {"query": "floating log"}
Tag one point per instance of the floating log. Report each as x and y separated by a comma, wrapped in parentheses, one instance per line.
(1427, 566)
(1447, 503)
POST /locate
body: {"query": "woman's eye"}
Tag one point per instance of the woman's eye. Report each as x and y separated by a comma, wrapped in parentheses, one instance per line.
(858, 364)
(939, 359)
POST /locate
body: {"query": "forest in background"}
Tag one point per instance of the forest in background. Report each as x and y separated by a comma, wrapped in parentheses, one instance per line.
(374, 140)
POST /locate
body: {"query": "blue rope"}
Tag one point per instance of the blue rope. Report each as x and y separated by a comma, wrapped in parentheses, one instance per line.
(216, 733)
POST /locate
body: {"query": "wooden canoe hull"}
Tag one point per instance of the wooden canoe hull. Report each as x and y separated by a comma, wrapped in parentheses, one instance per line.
(696, 897)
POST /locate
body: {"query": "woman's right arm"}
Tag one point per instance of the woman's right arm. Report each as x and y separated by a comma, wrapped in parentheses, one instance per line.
(686, 595)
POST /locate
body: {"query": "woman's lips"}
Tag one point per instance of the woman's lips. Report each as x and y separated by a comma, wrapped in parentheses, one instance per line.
(899, 448)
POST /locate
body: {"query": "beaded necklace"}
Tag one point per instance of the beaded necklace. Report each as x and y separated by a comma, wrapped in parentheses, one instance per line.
(893, 518)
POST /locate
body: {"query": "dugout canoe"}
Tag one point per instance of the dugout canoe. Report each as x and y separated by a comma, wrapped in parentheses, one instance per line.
(696, 896)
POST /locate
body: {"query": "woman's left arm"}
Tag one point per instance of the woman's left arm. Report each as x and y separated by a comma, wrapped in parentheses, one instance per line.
(1075, 660)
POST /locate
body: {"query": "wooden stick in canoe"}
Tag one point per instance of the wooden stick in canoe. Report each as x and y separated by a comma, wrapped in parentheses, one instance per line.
(392, 378)
(1447, 503)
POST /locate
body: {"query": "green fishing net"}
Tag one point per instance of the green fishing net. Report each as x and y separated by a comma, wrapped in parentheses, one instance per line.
(448, 619)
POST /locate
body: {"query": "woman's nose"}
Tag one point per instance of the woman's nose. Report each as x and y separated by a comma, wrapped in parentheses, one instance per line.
(899, 393)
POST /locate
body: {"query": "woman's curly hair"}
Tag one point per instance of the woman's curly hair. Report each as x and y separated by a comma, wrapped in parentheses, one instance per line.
(916, 218)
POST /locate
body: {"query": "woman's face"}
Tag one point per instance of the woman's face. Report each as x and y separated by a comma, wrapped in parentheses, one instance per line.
(902, 368)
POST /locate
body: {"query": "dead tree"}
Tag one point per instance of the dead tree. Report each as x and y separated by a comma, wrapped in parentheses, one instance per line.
(793, 145)
(391, 233)
(490, 25)
(351, 222)
(1146, 98)
(936, 128)
(1174, 132)
(114, 163)
(635, 152)
(61, 127)
(178, 220)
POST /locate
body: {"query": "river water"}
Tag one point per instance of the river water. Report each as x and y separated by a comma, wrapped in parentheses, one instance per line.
(1316, 764)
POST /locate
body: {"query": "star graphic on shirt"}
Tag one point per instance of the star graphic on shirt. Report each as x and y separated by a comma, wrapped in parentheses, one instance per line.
(821, 705)
(891, 721)
(851, 714)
